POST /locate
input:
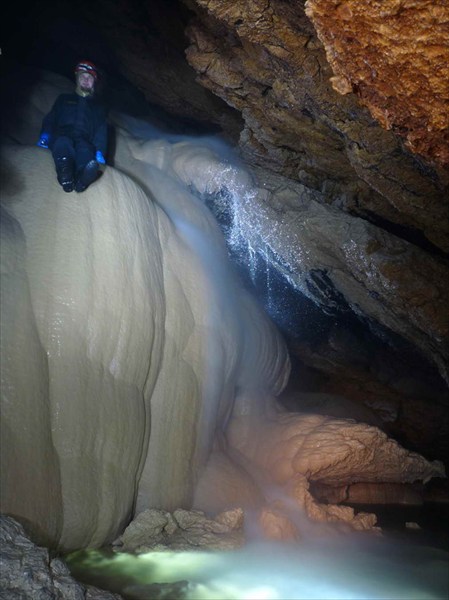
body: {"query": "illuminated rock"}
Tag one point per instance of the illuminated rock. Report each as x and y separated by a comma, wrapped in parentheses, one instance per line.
(156, 530)
(401, 78)
(124, 337)
(28, 571)
(267, 62)
(136, 341)
(294, 450)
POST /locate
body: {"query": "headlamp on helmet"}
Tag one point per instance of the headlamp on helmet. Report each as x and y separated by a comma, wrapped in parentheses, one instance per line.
(86, 66)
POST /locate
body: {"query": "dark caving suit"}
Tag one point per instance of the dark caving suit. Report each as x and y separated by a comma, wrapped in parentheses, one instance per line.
(75, 130)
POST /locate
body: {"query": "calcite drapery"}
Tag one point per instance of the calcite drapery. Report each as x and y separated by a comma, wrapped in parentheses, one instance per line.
(294, 450)
(123, 337)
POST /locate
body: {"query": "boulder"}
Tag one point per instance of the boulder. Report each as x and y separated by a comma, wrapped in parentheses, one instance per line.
(28, 572)
(184, 530)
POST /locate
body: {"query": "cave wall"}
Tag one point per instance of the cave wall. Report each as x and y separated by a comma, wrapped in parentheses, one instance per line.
(267, 62)
(265, 75)
(375, 150)
(394, 56)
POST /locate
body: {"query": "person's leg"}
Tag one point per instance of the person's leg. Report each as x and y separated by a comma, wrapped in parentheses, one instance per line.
(64, 157)
(86, 165)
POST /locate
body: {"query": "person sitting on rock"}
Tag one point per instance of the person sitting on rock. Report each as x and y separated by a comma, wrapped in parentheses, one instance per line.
(76, 132)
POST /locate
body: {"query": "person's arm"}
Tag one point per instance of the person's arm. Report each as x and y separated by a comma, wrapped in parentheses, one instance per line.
(100, 140)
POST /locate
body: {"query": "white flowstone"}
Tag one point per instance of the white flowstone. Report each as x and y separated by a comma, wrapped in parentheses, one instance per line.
(124, 337)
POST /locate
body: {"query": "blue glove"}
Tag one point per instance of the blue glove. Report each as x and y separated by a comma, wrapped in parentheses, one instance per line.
(43, 141)
(100, 158)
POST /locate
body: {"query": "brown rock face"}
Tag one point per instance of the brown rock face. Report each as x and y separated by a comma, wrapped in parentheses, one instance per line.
(299, 450)
(266, 61)
(371, 493)
(394, 56)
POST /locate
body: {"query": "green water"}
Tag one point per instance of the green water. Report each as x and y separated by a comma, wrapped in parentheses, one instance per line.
(344, 568)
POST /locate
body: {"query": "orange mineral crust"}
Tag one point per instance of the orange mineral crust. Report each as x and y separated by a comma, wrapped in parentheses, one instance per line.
(394, 54)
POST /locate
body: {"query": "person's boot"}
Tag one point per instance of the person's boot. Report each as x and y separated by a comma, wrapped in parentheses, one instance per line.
(87, 176)
(64, 173)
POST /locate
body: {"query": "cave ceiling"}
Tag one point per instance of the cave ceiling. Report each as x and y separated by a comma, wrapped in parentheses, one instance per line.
(351, 99)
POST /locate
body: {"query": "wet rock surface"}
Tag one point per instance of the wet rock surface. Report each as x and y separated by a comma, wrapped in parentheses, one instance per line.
(27, 571)
(159, 530)
(381, 276)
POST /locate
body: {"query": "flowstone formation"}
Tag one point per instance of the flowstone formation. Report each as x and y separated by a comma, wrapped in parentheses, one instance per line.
(294, 451)
(124, 337)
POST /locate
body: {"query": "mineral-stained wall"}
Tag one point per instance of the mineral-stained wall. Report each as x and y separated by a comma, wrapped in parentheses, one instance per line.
(394, 56)
(265, 60)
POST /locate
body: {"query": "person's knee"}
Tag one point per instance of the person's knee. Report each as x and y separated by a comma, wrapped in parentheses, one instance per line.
(65, 172)
(86, 176)
(63, 147)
